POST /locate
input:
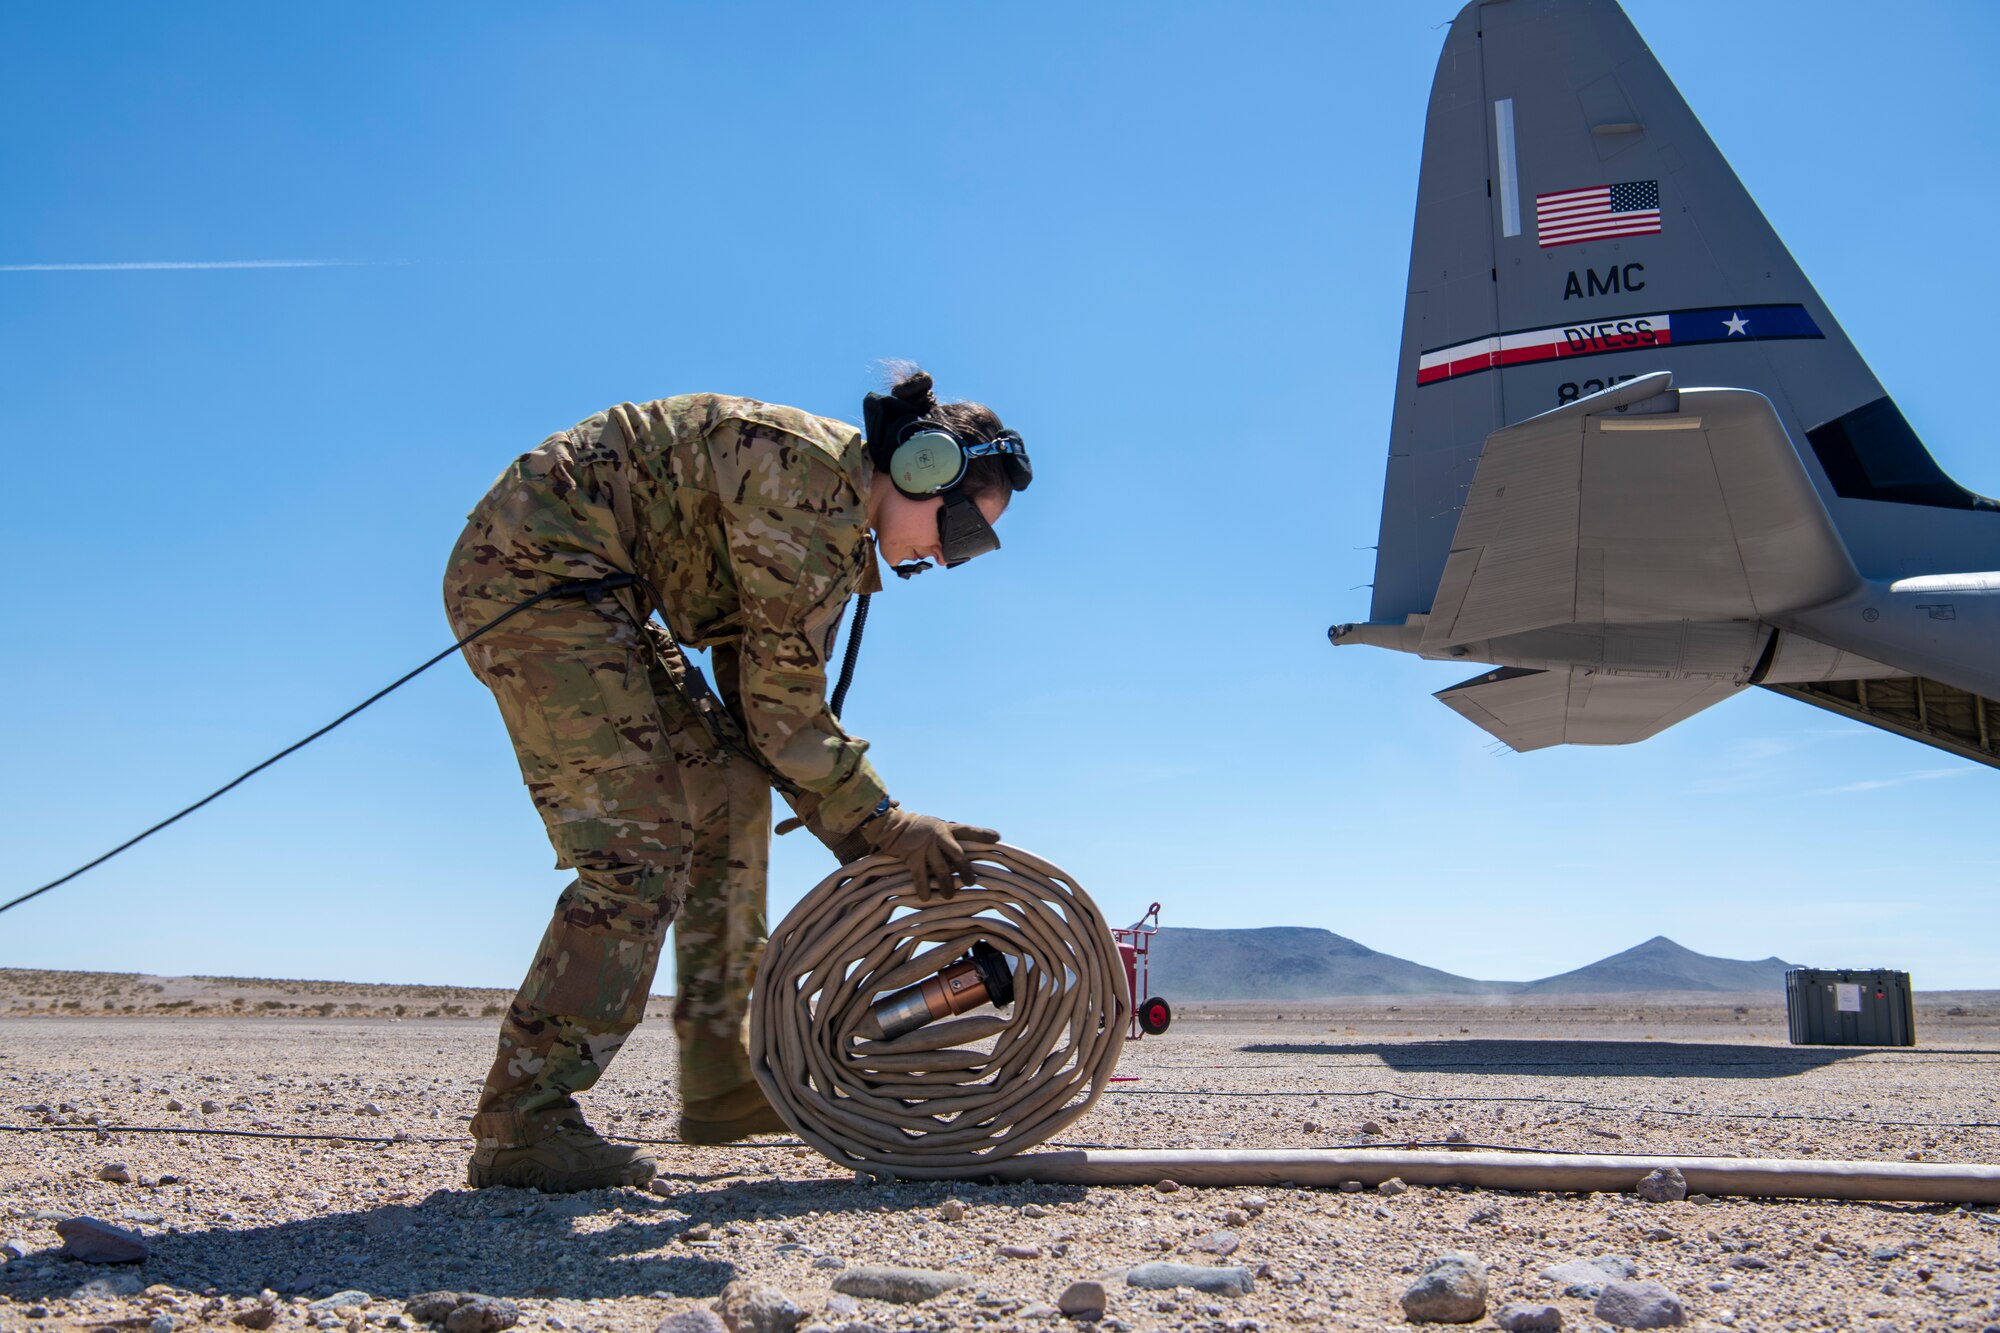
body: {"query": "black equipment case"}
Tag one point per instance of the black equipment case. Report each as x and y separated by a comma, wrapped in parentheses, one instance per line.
(1840, 1007)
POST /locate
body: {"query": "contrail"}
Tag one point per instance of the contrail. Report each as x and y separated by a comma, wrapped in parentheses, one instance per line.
(194, 263)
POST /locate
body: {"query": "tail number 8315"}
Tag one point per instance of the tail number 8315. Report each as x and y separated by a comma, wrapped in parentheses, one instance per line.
(1571, 390)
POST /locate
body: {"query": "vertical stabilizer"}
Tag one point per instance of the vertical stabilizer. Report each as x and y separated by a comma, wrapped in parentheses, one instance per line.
(1575, 228)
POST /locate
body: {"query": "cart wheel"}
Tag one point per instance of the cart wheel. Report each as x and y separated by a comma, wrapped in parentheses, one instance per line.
(1155, 1016)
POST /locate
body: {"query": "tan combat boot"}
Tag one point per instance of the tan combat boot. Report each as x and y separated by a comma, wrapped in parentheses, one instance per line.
(736, 1114)
(571, 1156)
(720, 1100)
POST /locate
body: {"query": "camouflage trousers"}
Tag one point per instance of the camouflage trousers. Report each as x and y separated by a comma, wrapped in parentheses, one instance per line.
(661, 826)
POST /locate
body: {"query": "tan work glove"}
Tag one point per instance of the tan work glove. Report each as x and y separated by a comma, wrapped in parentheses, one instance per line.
(932, 848)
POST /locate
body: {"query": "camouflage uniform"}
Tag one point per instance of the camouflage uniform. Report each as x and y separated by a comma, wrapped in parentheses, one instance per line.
(750, 520)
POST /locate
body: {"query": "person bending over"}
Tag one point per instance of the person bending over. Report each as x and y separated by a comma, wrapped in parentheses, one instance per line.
(745, 526)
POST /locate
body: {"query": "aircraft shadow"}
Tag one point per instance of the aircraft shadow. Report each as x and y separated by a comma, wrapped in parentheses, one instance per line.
(1622, 1059)
(506, 1243)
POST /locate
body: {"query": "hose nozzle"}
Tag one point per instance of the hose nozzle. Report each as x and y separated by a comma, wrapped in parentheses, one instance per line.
(981, 977)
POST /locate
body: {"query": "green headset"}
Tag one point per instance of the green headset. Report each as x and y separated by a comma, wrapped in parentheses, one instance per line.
(925, 459)
(930, 460)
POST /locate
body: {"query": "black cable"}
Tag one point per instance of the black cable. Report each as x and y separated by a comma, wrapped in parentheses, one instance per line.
(576, 588)
(216, 1132)
(839, 699)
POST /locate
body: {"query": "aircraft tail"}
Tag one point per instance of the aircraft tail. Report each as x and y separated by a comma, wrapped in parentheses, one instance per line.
(1576, 228)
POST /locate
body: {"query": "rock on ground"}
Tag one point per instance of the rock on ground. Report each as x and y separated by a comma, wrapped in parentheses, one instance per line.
(1586, 1277)
(1201, 1277)
(1528, 1317)
(902, 1286)
(1639, 1305)
(1086, 1298)
(463, 1312)
(1667, 1185)
(1451, 1290)
(482, 1314)
(748, 1307)
(96, 1242)
(431, 1307)
(693, 1320)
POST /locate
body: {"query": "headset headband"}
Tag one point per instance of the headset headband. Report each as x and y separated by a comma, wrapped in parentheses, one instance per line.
(1007, 444)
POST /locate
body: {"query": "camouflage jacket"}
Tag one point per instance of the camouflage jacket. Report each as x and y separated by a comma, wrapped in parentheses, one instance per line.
(751, 521)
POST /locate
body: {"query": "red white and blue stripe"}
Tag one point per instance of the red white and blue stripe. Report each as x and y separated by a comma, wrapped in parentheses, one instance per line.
(1625, 333)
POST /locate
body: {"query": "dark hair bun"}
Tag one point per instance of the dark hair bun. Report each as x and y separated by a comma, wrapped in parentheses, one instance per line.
(914, 386)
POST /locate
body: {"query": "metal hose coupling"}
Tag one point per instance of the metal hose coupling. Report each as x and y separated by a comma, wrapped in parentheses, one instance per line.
(982, 976)
(861, 1030)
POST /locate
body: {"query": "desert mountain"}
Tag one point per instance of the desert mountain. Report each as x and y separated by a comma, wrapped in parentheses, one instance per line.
(1306, 963)
(1291, 963)
(1660, 964)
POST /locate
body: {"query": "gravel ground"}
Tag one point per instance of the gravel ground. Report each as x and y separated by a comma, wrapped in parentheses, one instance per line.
(229, 1218)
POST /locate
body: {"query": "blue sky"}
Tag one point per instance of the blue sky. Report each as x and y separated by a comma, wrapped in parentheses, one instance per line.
(1167, 242)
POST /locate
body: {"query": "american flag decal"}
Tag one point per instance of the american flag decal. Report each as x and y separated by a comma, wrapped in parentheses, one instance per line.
(1597, 213)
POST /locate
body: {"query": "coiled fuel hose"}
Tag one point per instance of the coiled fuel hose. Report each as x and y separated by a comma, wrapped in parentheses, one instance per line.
(855, 1028)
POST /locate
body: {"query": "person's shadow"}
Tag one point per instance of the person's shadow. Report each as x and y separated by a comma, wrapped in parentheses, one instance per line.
(501, 1242)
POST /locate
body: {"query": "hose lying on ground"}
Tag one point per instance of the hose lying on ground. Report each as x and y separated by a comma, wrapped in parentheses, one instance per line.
(949, 1097)
(1775, 1178)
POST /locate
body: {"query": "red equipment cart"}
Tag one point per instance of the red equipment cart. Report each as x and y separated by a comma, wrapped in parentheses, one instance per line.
(1150, 1016)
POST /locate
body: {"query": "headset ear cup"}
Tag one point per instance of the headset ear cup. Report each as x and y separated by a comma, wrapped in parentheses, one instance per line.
(927, 462)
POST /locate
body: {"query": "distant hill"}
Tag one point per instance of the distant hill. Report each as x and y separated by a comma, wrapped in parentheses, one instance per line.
(1306, 963)
(1291, 963)
(1660, 964)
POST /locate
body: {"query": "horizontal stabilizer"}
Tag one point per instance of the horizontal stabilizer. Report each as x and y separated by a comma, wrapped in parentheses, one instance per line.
(1638, 505)
(1530, 710)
